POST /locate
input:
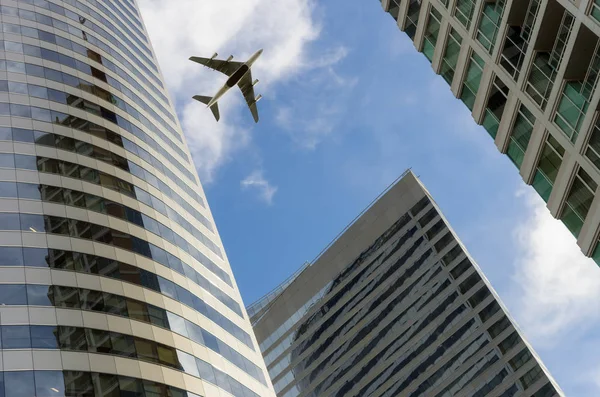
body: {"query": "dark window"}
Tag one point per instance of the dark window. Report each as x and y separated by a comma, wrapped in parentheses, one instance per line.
(146, 350)
(98, 340)
(72, 338)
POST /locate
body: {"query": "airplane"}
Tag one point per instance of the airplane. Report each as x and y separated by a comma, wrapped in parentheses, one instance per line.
(239, 73)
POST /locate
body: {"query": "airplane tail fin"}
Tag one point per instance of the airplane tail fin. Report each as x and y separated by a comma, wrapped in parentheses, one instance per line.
(206, 100)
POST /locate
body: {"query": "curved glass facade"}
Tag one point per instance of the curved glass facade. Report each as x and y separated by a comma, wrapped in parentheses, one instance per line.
(113, 279)
(395, 307)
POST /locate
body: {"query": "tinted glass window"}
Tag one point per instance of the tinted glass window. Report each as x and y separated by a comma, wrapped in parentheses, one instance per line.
(49, 383)
(12, 294)
(44, 337)
(40, 295)
(9, 221)
(8, 189)
(37, 257)
(16, 337)
(11, 256)
(19, 384)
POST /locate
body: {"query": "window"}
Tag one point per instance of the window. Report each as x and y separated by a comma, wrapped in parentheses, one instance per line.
(49, 383)
(495, 107)
(44, 337)
(431, 33)
(479, 297)
(420, 206)
(472, 80)
(463, 12)
(520, 359)
(443, 242)
(531, 377)
(19, 384)
(572, 108)
(13, 294)
(520, 136)
(548, 166)
(461, 268)
(545, 65)
(394, 9)
(595, 10)
(11, 256)
(489, 311)
(489, 24)
(450, 58)
(16, 337)
(511, 341)
(452, 255)
(412, 18)
(499, 326)
(466, 285)
(578, 201)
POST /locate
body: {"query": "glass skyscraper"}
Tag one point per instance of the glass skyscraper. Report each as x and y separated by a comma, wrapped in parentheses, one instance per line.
(528, 71)
(395, 306)
(113, 278)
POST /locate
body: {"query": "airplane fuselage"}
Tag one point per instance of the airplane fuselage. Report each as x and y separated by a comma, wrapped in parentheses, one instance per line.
(235, 78)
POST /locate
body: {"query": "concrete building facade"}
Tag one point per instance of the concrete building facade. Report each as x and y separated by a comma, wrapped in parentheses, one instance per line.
(528, 71)
(395, 307)
(113, 278)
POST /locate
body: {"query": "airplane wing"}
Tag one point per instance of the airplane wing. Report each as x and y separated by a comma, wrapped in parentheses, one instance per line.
(225, 67)
(245, 85)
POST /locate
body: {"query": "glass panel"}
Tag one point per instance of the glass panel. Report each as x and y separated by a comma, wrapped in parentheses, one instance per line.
(450, 58)
(16, 337)
(578, 202)
(44, 337)
(472, 80)
(489, 24)
(520, 135)
(412, 18)
(49, 383)
(464, 12)
(431, 33)
(19, 384)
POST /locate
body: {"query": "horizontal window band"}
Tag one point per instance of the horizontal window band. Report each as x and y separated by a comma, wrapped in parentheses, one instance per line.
(105, 302)
(91, 202)
(91, 175)
(76, 31)
(82, 384)
(115, 238)
(91, 340)
(87, 149)
(58, 76)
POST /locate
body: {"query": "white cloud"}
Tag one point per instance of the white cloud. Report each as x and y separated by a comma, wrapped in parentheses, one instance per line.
(557, 286)
(311, 117)
(257, 181)
(283, 28)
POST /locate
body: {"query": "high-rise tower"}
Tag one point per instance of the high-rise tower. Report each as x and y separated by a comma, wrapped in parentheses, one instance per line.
(113, 279)
(529, 71)
(395, 307)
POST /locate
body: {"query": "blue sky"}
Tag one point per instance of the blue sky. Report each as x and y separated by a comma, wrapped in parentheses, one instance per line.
(348, 105)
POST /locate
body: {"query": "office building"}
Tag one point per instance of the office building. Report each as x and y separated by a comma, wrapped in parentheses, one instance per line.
(113, 278)
(395, 307)
(528, 71)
